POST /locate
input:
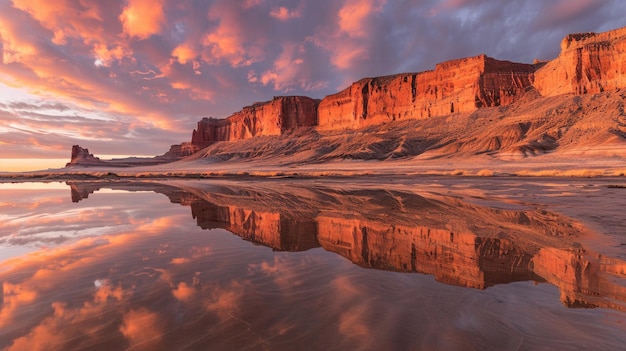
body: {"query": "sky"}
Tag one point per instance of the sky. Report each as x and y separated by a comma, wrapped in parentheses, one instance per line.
(132, 77)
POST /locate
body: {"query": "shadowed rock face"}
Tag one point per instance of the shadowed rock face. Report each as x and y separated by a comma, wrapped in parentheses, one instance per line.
(457, 242)
(82, 157)
(589, 63)
(179, 151)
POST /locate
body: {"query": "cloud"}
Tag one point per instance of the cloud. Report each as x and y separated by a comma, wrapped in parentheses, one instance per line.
(284, 14)
(354, 16)
(143, 18)
(234, 39)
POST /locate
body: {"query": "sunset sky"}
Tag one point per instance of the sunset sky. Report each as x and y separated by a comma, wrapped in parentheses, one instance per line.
(132, 77)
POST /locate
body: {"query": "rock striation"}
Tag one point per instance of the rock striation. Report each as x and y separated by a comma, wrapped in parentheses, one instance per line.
(456, 86)
(260, 119)
(589, 63)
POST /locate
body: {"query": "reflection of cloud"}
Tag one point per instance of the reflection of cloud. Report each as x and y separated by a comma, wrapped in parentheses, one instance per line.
(142, 328)
(225, 301)
(352, 321)
(183, 291)
(13, 297)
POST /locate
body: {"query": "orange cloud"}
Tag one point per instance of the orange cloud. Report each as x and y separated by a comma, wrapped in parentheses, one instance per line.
(143, 18)
(106, 54)
(184, 53)
(64, 19)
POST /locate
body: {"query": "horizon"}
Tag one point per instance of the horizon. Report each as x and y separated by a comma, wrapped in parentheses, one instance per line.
(103, 78)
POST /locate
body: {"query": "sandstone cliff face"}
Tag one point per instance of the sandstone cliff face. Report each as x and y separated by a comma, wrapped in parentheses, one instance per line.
(462, 85)
(588, 63)
(261, 119)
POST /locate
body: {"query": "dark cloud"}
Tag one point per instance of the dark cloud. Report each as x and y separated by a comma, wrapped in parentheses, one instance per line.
(156, 75)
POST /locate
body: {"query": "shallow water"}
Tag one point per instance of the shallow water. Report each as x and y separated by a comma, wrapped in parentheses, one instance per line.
(162, 266)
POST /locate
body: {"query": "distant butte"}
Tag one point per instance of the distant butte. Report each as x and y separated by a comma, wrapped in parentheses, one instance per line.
(589, 63)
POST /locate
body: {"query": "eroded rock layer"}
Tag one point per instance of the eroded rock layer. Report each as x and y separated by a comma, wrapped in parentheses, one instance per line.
(261, 119)
(588, 63)
(462, 85)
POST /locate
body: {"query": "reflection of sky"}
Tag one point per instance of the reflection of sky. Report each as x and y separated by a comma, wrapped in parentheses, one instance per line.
(157, 281)
(40, 215)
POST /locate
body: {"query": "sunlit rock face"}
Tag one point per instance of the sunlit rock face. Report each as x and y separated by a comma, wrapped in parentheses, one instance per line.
(588, 63)
(456, 86)
(274, 117)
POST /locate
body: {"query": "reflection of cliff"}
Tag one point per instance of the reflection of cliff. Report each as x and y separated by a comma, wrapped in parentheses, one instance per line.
(272, 229)
(463, 259)
(456, 242)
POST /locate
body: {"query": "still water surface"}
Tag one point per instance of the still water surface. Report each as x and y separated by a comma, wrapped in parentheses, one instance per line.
(162, 266)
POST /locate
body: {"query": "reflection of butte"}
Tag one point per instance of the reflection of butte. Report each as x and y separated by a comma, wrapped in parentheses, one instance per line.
(457, 242)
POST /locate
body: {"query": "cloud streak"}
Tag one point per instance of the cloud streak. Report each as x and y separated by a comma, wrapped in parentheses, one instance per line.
(151, 69)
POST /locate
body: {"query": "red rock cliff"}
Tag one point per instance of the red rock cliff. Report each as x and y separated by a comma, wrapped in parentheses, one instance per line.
(461, 85)
(588, 63)
(265, 118)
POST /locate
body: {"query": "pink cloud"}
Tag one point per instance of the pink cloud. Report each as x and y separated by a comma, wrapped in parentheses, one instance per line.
(233, 40)
(354, 16)
(284, 14)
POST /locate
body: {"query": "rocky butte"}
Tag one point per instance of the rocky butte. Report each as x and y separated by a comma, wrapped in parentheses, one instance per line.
(589, 63)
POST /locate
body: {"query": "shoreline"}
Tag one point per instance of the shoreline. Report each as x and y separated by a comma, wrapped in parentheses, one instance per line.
(340, 170)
